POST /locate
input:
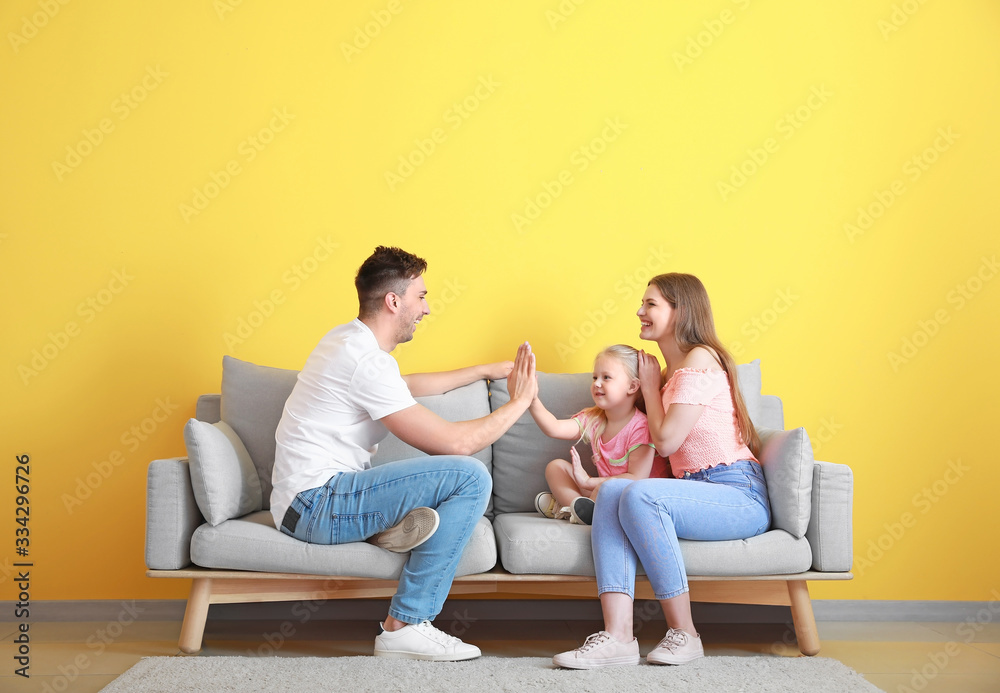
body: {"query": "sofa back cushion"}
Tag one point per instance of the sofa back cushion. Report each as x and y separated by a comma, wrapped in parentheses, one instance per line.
(223, 477)
(253, 399)
(520, 456)
(787, 460)
(460, 404)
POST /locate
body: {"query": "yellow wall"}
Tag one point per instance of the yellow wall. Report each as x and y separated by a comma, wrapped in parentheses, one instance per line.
(633, 117)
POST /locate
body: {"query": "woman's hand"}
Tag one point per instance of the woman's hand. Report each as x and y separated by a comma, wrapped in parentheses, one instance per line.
(650, 379)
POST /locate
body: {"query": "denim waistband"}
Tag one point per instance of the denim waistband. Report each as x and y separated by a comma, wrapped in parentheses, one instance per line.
(749, 466)
(745, 475)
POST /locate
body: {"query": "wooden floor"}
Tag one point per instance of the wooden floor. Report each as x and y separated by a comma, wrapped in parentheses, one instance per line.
(931, 657)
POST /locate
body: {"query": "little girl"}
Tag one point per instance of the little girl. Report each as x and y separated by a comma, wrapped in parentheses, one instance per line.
(616, 430)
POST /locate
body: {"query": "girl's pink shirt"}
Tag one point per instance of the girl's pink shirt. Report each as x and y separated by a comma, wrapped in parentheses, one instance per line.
(611, 457)
(715, 438)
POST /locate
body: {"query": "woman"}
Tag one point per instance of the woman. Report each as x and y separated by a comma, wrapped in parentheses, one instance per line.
(699, 420)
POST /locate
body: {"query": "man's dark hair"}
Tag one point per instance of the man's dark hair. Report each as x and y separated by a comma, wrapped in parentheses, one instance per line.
(388, 269)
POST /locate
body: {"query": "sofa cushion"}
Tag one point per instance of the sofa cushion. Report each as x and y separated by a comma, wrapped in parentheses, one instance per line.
(787, 460)
(749, 382)
(460, 404)
(253, 398)
(223, 477)
(252, 543)
(520, 455)
(529, 544)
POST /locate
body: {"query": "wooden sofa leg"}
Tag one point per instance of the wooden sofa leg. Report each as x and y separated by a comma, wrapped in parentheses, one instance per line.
(802, 617)
(195, 615)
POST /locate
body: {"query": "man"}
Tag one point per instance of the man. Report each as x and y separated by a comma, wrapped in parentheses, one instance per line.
(346, 398)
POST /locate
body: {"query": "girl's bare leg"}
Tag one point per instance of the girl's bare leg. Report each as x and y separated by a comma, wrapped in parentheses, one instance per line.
(559, 475)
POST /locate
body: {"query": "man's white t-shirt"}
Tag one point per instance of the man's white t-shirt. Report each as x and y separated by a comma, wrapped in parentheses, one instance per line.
(331, 420)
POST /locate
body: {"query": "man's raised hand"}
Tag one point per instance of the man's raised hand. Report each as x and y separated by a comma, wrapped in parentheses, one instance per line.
(521, 383)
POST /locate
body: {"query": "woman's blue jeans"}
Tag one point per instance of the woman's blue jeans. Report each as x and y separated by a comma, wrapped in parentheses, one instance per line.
(642, 520)
(353, 506)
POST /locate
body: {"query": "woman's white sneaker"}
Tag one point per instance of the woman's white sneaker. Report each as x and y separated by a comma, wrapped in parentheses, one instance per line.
(677, 647)
(423, 641)
(599, 650)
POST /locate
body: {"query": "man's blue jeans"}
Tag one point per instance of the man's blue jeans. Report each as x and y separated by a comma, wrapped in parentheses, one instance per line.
(353, 506)
(642, 520)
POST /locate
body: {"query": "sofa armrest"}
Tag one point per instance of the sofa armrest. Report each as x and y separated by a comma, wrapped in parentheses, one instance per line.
(831, 529)
(172, 514)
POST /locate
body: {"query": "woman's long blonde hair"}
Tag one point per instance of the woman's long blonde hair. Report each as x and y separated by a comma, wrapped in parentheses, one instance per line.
(694, 326)
(594, 420)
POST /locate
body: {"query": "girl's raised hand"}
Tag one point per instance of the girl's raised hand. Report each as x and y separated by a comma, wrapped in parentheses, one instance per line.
(579, 473)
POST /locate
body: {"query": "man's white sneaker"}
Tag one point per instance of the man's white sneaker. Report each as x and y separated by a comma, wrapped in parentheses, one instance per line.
(677, 647)
(423, 641)
(417, 526)
(599, 650)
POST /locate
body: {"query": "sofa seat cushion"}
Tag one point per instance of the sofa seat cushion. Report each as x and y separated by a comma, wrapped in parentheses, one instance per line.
(531, 544)
(252, 543)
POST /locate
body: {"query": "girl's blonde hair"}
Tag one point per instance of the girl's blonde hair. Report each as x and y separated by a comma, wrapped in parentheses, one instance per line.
(594, 420)
(694, 326)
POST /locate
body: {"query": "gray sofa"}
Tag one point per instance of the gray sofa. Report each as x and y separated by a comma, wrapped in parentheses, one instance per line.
(241, 557)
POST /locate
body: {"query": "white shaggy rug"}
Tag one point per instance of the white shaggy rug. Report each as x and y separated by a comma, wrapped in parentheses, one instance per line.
(513, 674)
